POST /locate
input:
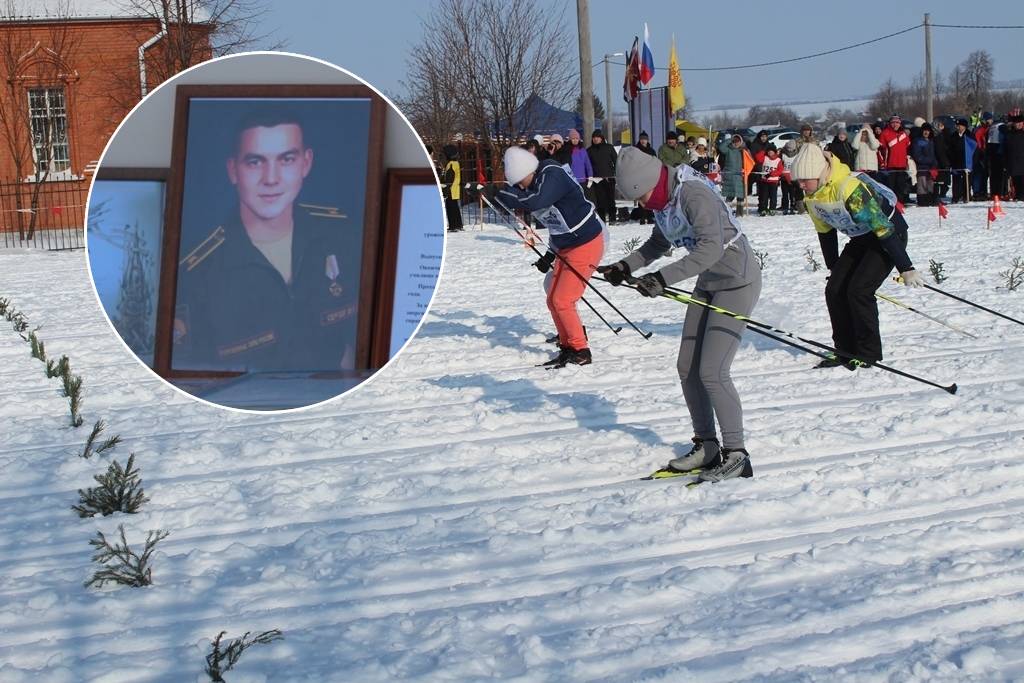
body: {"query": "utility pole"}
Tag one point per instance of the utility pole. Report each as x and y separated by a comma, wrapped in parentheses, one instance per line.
(929, 80)
(586, 71)
(609, 121)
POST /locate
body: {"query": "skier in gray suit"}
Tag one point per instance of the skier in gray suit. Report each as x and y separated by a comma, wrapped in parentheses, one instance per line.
(690, 214)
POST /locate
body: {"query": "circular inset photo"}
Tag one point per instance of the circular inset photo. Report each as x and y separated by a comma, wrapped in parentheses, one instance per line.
(265, 231)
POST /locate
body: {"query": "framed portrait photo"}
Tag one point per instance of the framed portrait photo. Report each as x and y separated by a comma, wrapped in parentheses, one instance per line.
(411, 253)
(125, 234)
(270, 251)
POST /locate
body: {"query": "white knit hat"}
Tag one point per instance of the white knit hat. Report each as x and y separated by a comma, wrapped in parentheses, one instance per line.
(809, 163)
(518, 164)
(636, 172)
(702, 141)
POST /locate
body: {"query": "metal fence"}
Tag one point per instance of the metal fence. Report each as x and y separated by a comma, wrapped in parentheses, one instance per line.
(48, 215)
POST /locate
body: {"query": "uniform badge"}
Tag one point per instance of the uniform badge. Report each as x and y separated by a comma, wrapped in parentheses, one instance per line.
(332, 271)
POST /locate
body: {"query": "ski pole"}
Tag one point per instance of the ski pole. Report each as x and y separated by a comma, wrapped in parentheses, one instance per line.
(899, 303)
(615, 330)
(645, 335)
(687, 297)
(969, 303)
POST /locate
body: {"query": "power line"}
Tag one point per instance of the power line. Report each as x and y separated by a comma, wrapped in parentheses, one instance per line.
(965, 26)
(822, 54)
(788, 61)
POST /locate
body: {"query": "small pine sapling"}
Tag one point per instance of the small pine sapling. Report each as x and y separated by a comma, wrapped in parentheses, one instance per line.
(1014, 275)
(38, 349)
(73, 390)
(4, 305)
(811, 261)
(221, 660)
(762, 258)
(937, 271)
(631, 245)
(119, 490)
(89, 449)
(20, 324)
(120, 563)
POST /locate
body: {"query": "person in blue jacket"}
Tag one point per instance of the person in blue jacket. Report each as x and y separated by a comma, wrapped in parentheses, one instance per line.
(575, 233)
(922, 151)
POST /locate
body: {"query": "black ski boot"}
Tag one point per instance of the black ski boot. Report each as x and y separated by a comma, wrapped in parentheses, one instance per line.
(568, 356)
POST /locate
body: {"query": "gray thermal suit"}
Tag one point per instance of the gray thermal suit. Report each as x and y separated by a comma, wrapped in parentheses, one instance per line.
(728, 276)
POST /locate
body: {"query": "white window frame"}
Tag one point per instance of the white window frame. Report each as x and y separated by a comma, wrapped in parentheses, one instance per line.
(53, 111)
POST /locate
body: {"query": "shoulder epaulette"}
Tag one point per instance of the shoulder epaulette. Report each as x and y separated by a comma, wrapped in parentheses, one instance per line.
(205, 248)
(323, 211)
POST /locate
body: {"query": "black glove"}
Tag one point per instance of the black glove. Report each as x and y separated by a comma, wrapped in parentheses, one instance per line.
(543, 264)
(616, 273)
(652, 284)
(490, 191)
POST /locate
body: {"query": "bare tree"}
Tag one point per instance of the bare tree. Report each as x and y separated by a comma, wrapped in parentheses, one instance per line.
(35, 64)
(783, 116)
(190, 32)
(491, 56)
(976, 77)
(886, 101)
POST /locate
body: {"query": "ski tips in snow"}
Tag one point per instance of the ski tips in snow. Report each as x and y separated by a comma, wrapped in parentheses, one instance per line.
(669, 473)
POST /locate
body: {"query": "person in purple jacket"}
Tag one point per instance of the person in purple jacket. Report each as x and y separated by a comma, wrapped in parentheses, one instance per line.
(580, 164)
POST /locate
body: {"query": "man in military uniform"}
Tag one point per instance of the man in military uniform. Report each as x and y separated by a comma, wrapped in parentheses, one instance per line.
(275, 287)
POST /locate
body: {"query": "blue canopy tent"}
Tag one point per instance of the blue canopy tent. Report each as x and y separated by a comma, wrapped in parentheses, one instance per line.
(537, 116)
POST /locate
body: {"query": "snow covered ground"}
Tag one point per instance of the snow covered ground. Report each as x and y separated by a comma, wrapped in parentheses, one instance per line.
(466, 516)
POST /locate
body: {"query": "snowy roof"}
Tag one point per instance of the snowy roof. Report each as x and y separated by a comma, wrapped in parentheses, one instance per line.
(92, 9)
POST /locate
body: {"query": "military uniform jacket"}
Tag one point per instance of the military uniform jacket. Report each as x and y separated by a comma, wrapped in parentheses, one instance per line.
(236, 312)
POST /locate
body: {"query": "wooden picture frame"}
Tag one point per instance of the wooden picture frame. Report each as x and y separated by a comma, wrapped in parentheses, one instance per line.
(405, 266)
(141, 192)
(322, 108)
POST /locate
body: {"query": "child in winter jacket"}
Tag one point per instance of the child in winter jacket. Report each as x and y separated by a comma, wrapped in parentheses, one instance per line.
(865, 211)
(768, 185)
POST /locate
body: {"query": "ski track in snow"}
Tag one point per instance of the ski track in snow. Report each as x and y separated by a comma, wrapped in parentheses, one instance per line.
(466, 516)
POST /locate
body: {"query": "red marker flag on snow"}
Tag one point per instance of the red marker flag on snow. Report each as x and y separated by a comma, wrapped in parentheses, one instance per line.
(943, 211)
(647, 59)
(631, 85)
(992, 215)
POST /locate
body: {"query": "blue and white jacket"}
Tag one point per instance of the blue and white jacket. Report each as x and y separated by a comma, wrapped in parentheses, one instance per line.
(557, 201)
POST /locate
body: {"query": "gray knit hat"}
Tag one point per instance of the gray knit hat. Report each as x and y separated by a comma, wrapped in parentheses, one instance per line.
(637, 172)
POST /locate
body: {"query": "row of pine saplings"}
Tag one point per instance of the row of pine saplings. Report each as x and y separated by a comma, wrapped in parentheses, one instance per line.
(119, 489)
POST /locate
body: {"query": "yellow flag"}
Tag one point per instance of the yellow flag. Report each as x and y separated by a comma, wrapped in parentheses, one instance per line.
(676, 94)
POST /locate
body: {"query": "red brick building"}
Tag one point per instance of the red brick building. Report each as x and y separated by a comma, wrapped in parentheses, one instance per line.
(66, 81)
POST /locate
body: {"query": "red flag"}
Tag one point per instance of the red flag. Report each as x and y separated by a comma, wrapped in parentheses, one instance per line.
(943, 211)
(480, 177)
(631, 85)
(991, 215)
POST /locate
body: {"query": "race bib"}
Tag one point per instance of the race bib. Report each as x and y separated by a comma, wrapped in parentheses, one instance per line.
(835, 215)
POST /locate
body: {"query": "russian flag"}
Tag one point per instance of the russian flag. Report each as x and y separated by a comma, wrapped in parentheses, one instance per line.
(647, 59)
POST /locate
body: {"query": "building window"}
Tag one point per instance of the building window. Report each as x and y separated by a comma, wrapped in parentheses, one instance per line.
(48, 118)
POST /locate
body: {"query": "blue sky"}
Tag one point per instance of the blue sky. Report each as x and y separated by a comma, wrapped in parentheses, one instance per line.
(372, 40)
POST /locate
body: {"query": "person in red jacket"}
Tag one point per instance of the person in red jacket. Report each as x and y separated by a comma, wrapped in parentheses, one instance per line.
(894, 146)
